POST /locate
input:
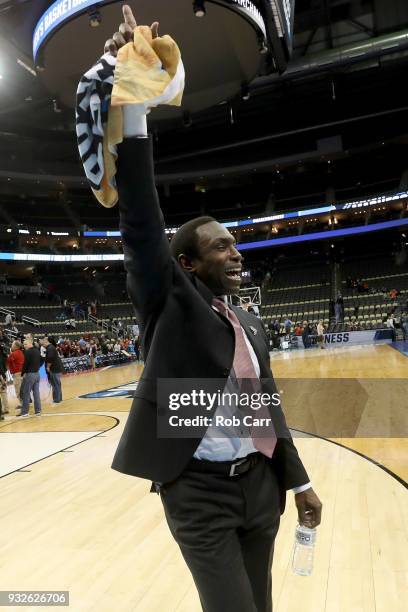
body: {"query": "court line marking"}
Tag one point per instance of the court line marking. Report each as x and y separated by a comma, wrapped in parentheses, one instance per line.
(401, 481)
(62, 449)
(307, 434)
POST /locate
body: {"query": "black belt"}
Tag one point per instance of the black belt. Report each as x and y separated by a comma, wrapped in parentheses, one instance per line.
(225, 468)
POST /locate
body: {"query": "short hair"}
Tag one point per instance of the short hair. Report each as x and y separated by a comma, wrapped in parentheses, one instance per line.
(185, 240)
(17, 344)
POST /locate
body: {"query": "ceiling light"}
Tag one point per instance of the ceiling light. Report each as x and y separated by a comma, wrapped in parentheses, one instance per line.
(95, 18)
(263, 48)
(245, 93)
(26, 67)
(56, 106)
(199, 8)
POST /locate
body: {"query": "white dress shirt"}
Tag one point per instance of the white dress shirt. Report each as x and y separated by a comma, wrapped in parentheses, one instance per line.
(231, 447)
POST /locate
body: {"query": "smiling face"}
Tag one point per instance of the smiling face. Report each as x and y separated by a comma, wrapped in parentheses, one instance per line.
(219, 264)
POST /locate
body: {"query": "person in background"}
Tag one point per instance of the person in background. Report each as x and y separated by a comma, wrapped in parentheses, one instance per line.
(4, 408)
(404, 325)
(31, 378)
(305, 335)
(104, 346)
(390, 322)
(298, 329)
(320, 334)
(339, 309)
(54, 367)
(92, 354)
(390, 325)
(288, 325)
(15, 362)
(136, 348)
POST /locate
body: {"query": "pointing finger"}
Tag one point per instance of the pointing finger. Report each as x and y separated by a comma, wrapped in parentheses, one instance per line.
(119, 40)
(126, 31)
(155, 29)
(110, 47)
(128, 16)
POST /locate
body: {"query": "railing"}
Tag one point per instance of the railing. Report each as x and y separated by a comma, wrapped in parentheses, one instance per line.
(11, 334)
(30, 321)
(74, 365)
(6, 311)
(103, 324)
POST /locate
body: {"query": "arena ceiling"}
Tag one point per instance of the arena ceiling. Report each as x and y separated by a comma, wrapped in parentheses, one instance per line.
(335, 120)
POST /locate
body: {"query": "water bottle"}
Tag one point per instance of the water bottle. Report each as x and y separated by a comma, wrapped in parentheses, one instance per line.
(303, 549)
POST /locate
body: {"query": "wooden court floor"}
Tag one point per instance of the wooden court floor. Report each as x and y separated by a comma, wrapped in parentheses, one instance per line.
(69, 522)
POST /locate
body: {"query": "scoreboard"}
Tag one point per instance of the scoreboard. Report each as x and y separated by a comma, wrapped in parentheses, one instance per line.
(279, 17)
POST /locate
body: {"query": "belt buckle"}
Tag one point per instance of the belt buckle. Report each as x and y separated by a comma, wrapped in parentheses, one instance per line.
(234, 465)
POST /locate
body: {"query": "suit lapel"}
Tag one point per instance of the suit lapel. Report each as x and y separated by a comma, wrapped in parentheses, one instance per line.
(202, 289)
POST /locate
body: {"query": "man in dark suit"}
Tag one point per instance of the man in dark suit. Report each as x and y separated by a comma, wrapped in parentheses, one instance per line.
(222, 494)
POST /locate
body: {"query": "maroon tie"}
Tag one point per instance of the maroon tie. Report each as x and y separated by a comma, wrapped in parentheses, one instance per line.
(244, 369)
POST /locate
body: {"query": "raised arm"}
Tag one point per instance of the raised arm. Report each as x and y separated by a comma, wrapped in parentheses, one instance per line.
(147, 256)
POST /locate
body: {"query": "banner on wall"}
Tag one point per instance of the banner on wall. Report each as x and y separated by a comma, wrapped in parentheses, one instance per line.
(348, 338)
(59, 12)
(63, 10)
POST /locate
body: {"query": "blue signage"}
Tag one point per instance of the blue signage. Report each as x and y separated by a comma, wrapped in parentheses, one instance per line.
(242, 246)
(63, 10)
(56, 14)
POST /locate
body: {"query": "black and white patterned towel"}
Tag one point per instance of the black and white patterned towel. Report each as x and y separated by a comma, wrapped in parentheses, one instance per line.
(92, 107)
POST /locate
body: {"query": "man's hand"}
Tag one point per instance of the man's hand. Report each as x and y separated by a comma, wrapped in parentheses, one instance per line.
(125, 33)
(309, 508)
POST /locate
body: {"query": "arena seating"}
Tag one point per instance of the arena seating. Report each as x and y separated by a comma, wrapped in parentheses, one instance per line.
(297, 293)
(50, 321)
(374, 305)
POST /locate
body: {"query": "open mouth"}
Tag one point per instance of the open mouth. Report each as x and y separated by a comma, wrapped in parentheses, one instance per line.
(234, 274)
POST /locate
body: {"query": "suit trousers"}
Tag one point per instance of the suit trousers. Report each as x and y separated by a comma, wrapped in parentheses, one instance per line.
(226, 528)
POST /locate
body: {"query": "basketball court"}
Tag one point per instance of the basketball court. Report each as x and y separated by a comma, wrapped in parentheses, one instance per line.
(69, 522)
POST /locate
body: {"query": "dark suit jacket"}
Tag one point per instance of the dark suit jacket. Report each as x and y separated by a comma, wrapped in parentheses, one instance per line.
(183, 337)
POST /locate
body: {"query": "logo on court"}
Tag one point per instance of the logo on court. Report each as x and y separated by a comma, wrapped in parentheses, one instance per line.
(122, 391)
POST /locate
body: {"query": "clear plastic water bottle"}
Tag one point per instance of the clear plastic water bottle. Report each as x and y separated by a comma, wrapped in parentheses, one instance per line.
(303, 549)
